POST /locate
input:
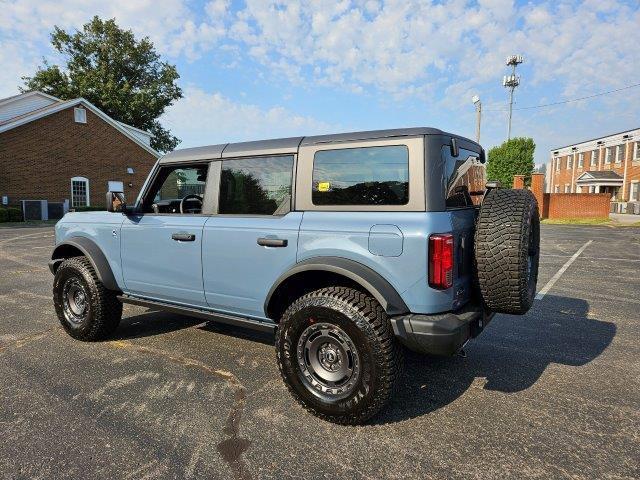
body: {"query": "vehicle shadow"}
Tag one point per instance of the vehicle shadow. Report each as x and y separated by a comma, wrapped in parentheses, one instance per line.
(511, 354)
(153, 322)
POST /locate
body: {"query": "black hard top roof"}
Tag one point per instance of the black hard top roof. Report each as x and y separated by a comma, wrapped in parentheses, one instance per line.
(291, 144)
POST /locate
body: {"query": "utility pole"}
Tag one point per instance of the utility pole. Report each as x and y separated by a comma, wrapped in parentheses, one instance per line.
(476, 101)
(511, 82)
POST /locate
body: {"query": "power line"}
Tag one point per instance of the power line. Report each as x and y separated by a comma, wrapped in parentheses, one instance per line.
(568, 101)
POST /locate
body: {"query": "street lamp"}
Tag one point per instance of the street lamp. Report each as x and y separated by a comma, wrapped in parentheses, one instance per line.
(511, 82)
(476, 101)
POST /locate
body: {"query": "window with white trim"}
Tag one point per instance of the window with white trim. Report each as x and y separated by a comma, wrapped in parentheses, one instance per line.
(569, 162)
(636, 155)
(80, 115)
(567, 188)
(607, 155)
(619, 153)
(580, 160)
(594, 157)
(557, 160)
(79, 192)
(634, 193)
(556, 189)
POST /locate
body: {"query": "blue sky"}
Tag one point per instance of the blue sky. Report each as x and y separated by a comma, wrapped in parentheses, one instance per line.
(260, 69)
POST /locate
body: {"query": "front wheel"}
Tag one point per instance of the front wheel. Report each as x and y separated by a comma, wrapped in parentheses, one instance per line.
(85, 308)
(338, 355)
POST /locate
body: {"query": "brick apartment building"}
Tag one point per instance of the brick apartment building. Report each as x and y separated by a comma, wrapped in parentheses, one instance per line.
(608, 164)
(68, 151)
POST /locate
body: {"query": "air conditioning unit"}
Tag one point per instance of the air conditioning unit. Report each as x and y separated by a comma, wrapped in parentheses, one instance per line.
(34, 210)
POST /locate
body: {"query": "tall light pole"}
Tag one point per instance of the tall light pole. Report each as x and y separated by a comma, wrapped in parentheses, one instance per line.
(476, 101)
(511, 82)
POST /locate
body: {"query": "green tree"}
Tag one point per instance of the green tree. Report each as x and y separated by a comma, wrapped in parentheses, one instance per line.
(513, 157)
(122, 76)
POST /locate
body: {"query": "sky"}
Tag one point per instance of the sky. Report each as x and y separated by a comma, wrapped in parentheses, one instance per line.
(264, 69)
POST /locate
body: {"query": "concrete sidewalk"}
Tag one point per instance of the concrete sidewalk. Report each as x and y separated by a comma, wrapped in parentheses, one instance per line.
(624, 218)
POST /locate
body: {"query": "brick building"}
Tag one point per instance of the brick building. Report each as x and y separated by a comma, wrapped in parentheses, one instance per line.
(608, 164)
(69, 151)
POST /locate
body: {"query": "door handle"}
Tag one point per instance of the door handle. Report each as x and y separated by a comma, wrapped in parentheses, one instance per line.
(273, 242)
(183, 237)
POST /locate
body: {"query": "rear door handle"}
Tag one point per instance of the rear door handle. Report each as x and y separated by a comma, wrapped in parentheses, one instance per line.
(273, 242)
(183, 237)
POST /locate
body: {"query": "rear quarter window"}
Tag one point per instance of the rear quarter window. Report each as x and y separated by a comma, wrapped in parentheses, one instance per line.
(465, 178)
(361, 176)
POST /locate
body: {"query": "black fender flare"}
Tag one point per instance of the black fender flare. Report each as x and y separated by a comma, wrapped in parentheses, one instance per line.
(95, 255)
(370, 280)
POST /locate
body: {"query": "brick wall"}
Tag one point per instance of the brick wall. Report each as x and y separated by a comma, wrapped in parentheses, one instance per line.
(566, 205)
(537, 188)
(578, 205)
(518, 181)
(38, 159)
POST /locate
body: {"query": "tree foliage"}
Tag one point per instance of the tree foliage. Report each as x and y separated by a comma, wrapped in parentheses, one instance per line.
(122, 76)
(513, 157)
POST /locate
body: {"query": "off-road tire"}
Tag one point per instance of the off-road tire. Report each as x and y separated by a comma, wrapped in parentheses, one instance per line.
(507, 250)
(367, 325)
(103, 309)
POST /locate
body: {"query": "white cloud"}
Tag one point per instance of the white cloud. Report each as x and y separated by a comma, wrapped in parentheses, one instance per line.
(209, 118)
(437, 52)
(402, 44)
(171, 24)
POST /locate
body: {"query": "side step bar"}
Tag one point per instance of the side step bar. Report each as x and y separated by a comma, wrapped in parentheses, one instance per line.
(196, 312)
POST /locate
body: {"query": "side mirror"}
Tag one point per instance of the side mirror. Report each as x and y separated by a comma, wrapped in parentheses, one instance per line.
(115, 202)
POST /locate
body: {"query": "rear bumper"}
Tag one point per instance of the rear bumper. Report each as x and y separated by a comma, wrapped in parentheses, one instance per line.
(443, 333)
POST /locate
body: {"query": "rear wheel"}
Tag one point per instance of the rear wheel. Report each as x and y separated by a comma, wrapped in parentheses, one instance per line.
(507, 250)
(86, 309)
(337, 354)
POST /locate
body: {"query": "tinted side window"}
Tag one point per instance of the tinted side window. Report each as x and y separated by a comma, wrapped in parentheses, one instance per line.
(465, 177)
(172, 185)
(361, 176)
(256, 186)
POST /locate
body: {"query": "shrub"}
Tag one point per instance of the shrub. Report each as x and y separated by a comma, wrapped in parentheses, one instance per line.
(4, 215)
(513, 157)
(14, 214)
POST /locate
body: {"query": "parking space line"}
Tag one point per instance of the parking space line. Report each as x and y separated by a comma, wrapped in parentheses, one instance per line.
(559, 273)
(610, 259)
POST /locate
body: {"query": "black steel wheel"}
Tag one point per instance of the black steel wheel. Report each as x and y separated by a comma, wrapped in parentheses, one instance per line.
(86, 309)
(328, 360)
(338, 355)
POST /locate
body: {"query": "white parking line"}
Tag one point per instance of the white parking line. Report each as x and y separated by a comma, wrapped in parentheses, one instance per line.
(610, 259)
(559, 273)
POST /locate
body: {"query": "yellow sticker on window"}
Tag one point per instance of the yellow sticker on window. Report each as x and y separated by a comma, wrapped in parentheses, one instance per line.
(324, 186)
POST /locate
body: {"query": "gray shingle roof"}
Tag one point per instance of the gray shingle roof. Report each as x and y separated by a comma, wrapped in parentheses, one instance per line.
(605, 175)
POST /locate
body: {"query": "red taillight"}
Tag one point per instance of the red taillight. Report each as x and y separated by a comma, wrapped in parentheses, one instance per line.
(441, 260)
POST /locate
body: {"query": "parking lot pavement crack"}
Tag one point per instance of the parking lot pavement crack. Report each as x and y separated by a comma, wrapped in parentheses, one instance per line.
(22, 341)
(231, 448)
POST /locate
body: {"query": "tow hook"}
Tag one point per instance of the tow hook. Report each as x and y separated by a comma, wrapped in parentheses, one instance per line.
(461, 353)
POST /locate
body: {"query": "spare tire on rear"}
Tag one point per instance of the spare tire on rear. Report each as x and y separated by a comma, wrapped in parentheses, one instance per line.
(507, 250)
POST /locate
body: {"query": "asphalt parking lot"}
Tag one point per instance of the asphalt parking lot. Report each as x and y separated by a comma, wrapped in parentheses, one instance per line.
(551, 394)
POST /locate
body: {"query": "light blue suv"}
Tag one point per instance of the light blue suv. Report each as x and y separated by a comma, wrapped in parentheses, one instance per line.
(347, 246)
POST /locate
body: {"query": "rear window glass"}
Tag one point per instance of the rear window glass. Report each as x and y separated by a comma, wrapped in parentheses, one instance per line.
(361, 176)
(256, 186)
